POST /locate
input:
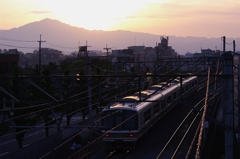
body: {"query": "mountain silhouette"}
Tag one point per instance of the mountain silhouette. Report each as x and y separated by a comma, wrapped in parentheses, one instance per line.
(68, 38)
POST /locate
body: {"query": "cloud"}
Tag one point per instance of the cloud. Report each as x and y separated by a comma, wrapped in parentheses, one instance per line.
(40, 12)
(183, 10)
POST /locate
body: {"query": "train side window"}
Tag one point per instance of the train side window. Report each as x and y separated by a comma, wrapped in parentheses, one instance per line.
(155, 109)
(146, 115)
(174, 95)
(186, 87)
(163, 104)
(169, 98)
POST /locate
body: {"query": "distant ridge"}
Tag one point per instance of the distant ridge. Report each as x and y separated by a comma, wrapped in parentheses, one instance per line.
(67, 38)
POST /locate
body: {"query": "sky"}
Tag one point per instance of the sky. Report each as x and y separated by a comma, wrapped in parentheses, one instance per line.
(199, 18)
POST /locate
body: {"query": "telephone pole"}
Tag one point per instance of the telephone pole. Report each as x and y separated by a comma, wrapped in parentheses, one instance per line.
(88, 71)
(40, 42)
(107, 55)
(86, 48)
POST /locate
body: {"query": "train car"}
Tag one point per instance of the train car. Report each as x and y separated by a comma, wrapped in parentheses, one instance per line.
(127, 120)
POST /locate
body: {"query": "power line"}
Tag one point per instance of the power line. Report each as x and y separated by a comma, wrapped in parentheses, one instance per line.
(40, 41)
(18, 46)
(50, 44)
(15, 40)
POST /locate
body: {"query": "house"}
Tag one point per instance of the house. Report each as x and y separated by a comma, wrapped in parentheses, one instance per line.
(8, 62)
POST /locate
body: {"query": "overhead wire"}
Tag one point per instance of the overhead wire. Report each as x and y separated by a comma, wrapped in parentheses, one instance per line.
(60, 46)
(18, 46)
(15, 40)
(197, 155)
(48, 109)
(46, 104)
(86, 107)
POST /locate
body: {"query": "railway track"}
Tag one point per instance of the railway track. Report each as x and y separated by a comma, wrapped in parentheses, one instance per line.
(184, 133)
(115, 154)
(178, 144)
(172, 148)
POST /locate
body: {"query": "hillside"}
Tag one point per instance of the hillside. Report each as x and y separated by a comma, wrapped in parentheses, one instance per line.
(67, 38)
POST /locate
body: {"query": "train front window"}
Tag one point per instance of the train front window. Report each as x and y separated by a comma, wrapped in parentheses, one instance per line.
(120, 120)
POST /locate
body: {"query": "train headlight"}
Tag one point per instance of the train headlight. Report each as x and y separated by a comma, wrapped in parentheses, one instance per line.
(129, 135)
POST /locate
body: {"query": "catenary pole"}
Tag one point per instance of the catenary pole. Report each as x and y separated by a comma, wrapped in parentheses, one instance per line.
(228, 104)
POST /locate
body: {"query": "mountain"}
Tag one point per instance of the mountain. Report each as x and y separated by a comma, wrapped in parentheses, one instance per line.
(67, 38)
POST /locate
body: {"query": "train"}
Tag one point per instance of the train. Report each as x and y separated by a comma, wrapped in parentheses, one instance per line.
(127, 120)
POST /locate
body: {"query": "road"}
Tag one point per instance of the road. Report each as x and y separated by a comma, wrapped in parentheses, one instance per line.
(8, 144)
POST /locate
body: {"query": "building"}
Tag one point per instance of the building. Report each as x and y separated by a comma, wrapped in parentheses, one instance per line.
(49, 55)
(123, 58)
(164, 51)
(8, 62)
(208, 53)
(188, 55)
(143, 58)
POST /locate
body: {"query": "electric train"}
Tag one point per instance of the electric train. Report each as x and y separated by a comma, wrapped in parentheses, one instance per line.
(127, 120)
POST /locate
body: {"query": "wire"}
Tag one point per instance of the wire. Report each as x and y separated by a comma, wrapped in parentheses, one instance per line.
(15, 40)
(228, 43)
(18, 46)
(60, 46)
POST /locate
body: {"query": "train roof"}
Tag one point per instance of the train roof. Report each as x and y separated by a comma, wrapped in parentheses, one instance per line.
(132, 102)
(143, 93)
(155, 87)
(130, 99)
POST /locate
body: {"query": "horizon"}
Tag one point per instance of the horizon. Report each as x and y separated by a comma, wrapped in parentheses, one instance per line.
(109, 30)
(26, 37)
(157, 17)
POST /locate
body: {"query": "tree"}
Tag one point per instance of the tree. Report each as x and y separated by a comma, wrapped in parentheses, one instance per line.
(21, 120)
(4, 51)
(83, 96)
(52, 66)
(46, 84)
(69, 107)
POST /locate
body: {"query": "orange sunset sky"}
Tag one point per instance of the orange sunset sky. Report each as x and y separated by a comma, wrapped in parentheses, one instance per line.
(200, 18)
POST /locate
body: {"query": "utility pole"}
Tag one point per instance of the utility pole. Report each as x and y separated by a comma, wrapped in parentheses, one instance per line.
(228, 104)
(234, 47)
(107, 55)
(228, 101)
(87, 46)
(40, 42)
(88, 63)
(157, 65)
(224, 44)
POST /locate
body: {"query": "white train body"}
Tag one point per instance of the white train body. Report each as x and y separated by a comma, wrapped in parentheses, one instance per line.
(128, 120)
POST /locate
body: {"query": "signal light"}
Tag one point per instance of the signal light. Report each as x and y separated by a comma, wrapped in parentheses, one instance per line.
(106, 135)
(130, 135)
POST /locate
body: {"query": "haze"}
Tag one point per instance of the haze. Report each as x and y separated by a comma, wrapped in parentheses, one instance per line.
(199, 18)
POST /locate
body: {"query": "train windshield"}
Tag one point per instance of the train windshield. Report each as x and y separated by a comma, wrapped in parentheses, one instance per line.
(120, 120)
